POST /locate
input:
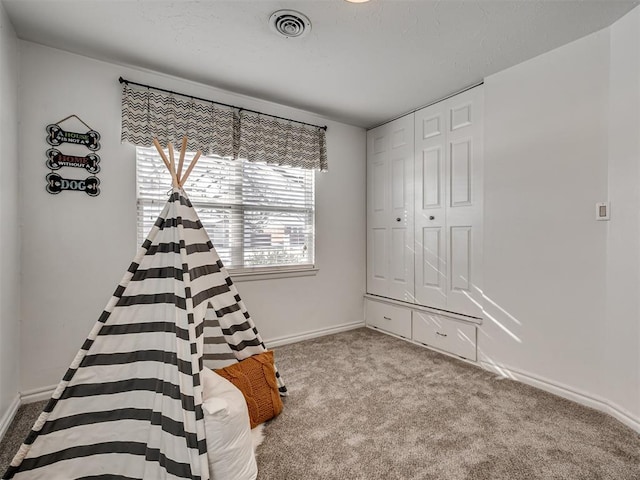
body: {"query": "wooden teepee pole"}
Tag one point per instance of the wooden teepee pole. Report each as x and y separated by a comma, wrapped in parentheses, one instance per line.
(172, 161)
(191, 165)
(183, 150)
(170, 166)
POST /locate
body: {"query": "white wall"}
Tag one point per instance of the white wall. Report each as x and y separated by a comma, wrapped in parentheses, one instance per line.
(76, 248)
(622, 330)
(9, 223)
(545, 168)
(562, 133)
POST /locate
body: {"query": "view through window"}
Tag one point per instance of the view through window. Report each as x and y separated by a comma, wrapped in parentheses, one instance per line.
(257, 215)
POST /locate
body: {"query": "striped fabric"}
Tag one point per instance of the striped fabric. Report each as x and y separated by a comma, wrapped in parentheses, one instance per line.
(132, 399)
(219, 131)
(217, 352)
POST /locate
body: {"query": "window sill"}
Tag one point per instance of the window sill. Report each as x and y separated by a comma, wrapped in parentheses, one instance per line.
(240, 275)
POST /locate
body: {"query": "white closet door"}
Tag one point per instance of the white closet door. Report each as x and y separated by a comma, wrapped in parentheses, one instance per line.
(464, 202)
(377, 212)
(430, 206)
(390, 209)
(448, 204)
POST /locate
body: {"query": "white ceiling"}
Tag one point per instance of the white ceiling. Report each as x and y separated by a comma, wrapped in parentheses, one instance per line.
(361, 64)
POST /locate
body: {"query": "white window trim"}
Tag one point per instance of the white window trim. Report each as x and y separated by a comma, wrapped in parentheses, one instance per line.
(270, 273)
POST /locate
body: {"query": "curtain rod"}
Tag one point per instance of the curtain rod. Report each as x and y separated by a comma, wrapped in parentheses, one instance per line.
(129, 82)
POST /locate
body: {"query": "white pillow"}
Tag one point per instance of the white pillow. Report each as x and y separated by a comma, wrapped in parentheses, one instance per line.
(226, 420)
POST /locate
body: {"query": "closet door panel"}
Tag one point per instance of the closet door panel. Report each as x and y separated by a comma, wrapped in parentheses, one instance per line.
(378, 187)
(460, 167)
(377, 210)
(432, 272)
(464, 203)
(432, 123)
(432, 167)
(461, 115)
(390, 209)
(430, 195)
(400, 222)
(398, 186)
(379, 251)
(432, 278)
(460, 248)
(401, 286)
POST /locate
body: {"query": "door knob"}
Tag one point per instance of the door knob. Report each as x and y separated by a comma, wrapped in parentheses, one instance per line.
(398, 219)
(431, 217)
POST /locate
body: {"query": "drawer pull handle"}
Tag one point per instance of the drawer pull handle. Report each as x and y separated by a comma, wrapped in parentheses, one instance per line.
(387, 318)
(441, 334)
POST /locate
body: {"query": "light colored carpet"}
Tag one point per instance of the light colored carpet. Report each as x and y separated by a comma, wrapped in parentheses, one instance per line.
(367, 406)
(364, 405)
(17, 432)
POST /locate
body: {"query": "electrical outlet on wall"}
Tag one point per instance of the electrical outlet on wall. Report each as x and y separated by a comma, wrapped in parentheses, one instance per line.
(603, 210)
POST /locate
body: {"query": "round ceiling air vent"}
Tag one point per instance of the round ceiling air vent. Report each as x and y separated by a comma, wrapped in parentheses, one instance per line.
(289, 23)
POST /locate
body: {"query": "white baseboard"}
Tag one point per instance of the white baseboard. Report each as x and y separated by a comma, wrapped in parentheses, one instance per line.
(567, 392)
(280, 341)
(8, 416)
(37, 394)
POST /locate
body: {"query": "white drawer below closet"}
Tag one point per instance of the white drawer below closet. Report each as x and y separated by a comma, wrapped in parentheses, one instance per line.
(443, 333)
(389, 318)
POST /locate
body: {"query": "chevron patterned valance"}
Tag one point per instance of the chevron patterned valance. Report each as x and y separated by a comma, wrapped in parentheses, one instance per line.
(271, 140)
(218, 130)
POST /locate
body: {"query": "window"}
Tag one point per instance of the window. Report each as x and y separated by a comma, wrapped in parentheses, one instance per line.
(259, 217)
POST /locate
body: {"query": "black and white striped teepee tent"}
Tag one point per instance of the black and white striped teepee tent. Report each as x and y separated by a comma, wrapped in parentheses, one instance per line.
(130, 404)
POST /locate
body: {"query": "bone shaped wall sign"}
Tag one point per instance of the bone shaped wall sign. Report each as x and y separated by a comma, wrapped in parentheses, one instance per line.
(56, 160)
(57, 136)
(56, 184)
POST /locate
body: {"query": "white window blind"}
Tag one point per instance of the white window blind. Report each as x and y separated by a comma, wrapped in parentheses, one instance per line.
(259, 217)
